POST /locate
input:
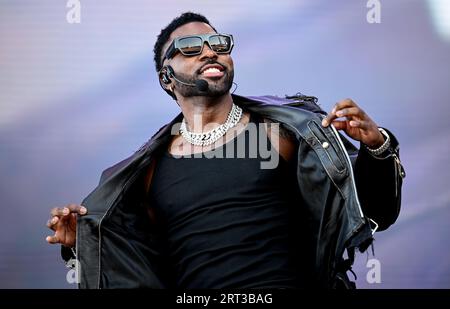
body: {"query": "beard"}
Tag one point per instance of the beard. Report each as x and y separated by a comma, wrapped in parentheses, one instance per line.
(216, 88)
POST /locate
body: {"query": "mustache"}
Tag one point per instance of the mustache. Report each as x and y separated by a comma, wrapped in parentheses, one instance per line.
(207, 62)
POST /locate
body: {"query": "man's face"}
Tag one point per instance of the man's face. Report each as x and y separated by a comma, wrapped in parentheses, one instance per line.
(192, 68)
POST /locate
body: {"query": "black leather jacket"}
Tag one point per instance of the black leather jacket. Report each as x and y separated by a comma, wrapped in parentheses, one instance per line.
(118, 244)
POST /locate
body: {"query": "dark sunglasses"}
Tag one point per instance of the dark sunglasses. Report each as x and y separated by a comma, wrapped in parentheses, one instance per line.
(192, 45)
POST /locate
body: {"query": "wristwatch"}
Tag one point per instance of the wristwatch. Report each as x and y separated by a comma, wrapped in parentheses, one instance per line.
(382, 148)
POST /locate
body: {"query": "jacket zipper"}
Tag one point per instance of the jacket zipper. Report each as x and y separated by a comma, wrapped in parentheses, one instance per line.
(398, 171)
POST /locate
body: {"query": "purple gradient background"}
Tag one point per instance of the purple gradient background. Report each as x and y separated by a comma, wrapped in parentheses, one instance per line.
(76, 98)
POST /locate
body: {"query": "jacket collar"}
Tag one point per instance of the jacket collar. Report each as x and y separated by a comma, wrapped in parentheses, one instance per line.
(272, 107)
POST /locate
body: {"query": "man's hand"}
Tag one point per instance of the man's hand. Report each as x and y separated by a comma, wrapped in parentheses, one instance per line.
(357, 125)
(64, 222)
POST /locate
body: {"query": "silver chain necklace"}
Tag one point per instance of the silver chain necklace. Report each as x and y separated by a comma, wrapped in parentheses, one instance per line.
(207, 138)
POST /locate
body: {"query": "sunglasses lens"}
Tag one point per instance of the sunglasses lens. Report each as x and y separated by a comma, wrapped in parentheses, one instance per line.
(193, 45)
(190, 45)
(220, 43)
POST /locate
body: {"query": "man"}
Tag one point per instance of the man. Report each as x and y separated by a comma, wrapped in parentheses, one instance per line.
(178, 213)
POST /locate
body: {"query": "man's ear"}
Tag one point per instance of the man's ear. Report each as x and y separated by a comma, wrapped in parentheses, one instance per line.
(165, 81)
(164, 75)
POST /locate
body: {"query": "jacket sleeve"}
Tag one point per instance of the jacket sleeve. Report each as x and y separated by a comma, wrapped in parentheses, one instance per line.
(67, 253)
(378, 179)
(379, 183)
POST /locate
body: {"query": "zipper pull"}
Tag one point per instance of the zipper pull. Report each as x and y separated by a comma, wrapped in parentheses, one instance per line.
(399, 165)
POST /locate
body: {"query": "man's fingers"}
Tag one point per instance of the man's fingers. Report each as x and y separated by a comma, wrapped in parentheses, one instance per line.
(343, 104)
(327, 120)
(51, 222)
(339, 125)
(81, 210)
(59, 211)
(71, 208)
(359, 124)
(52, 239)
(350, 111)
(337, 107)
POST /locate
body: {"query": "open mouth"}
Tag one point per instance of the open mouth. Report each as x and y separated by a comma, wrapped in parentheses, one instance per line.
(212, 70)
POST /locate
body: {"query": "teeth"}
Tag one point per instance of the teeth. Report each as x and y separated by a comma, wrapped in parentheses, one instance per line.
(211, 70)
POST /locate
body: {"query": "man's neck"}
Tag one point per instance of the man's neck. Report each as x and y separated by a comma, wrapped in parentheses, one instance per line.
(205, 113)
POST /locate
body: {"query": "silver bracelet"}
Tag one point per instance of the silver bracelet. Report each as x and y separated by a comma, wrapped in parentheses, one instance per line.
(382, 148)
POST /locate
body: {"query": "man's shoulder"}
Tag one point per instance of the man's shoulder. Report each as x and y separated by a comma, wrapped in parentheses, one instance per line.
(290, 112)
(163, 130)
(112, 169)
(298, 100)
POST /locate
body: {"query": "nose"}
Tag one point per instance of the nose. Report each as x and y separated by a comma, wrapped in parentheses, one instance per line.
(207, 52)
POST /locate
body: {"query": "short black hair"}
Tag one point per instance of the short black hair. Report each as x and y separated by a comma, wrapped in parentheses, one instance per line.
(164, 36)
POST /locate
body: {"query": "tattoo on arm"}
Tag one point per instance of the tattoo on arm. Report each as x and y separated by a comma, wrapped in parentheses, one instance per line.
(283, 132)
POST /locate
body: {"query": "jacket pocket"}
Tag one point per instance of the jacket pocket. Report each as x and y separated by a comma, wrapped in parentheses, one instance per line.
(327, 148)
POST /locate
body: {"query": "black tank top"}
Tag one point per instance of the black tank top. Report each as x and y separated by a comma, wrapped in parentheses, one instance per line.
(227, 222)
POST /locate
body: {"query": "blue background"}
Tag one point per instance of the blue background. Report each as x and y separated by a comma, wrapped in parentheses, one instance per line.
(76, 98)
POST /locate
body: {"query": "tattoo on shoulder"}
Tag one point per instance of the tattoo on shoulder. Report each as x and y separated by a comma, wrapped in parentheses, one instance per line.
(283, 132)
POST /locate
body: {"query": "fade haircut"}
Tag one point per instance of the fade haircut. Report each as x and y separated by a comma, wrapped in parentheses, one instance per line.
(165, 33)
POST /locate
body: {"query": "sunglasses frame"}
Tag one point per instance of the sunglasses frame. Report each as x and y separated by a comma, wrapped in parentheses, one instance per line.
(174, 46)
